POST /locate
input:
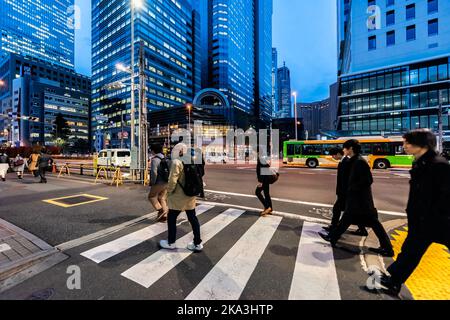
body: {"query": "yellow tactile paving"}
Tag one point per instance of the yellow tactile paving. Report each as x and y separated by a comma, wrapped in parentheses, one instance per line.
(431, 279)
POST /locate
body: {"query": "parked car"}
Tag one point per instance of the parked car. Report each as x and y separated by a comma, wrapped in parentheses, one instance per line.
(114, 157)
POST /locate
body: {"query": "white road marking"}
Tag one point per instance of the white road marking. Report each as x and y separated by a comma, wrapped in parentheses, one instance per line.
(4, 247)
(229, 277)
(157, 265)
(315, 204)
(110, 249)
(276, 213)
(315, 276)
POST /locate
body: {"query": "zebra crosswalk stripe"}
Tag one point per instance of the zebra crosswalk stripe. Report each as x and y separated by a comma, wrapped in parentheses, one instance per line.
(227, 280)
(150, 270)
(315, 276)
(110, 249)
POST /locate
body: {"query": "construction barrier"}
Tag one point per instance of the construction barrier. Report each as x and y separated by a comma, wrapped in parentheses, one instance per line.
(117, 178)
(104, 171)
(65, 168)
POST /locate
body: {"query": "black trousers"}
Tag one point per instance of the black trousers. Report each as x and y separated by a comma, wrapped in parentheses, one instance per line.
(338, 208)
(42, 171)
(371, 222)
(266, 200)
(172, 225)
(413, 249)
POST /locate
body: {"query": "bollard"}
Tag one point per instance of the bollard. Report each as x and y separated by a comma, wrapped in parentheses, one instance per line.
(81, 169)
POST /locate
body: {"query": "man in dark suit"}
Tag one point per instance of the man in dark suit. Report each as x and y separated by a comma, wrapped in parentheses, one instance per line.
(428, 208)
(45, 161)
(359, 207)
(343, 175)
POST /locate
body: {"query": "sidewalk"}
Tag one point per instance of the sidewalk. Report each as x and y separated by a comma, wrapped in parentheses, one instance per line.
(19, 250)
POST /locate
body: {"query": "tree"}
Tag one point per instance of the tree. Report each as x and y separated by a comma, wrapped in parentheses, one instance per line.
(61, 129)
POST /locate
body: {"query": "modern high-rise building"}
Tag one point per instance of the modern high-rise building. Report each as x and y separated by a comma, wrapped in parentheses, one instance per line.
(170, 34)
(40, 29)
(36, 92)
(393, 65)
(239, 53)
(274, 81)
(284, 92)
(313, 116)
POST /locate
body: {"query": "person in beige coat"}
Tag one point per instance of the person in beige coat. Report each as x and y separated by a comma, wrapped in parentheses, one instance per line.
(178, 202)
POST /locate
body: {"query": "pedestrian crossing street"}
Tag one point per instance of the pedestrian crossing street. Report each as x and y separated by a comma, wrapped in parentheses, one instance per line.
(264, 250)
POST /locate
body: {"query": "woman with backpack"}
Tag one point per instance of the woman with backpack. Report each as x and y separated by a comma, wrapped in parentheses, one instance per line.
(159, 177)
(266, 176)
(19, 166)
(185, 184)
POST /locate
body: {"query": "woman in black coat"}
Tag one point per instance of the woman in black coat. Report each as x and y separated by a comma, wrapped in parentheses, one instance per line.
(359, 207)
(263, 186)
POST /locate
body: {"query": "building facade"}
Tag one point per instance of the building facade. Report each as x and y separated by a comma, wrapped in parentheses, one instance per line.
(393, 65)
(170, 34)
(239, 54)
(35, 93)
(284, 92)
(314, 117)
(41, 29)
(274, 81)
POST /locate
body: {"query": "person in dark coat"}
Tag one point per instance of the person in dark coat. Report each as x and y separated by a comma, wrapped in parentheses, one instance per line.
(263, 186)
(428, 208)
(343, 175)
(359, 206)
(45, 160)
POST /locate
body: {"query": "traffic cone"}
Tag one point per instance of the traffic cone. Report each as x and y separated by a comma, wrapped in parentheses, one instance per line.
(54, 168)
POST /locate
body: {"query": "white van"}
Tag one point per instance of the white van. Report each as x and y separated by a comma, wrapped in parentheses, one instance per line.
(114, 157)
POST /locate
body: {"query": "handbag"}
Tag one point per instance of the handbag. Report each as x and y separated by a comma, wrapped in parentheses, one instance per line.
(274, 177)
(18, 163)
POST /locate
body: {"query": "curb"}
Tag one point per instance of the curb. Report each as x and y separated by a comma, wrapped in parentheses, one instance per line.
(15, 267)
(372, 259)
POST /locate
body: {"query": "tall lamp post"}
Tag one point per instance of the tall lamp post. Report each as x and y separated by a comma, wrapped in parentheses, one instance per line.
(295, 114)
(189, 108)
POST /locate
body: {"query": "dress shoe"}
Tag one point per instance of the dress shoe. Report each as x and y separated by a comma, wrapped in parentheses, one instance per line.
(328, 238)
(389, 287)
(388, 253)
(266, 212)
(329, 228)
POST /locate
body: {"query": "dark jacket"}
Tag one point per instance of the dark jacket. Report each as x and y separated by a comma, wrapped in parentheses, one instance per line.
(261, 178)
(359, 199)
(428, 206)
(4, 158)
(343, 175)
(45, 160)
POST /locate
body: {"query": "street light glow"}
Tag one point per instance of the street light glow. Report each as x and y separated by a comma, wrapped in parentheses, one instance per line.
(121, 67)
(137, 4)
(2, 83)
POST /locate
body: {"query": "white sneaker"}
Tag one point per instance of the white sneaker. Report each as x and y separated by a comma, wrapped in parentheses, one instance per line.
(191, 246)
(164, 244)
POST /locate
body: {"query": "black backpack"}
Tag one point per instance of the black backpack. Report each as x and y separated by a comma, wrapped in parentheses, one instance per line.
(193, 185)
(163, 169)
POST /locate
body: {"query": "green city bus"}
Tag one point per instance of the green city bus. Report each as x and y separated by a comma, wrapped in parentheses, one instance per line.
(381, 153)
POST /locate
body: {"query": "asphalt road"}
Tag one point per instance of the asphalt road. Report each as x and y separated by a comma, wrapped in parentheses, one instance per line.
(303, 198)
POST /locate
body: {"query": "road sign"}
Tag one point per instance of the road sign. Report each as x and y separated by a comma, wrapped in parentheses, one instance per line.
(123, 135)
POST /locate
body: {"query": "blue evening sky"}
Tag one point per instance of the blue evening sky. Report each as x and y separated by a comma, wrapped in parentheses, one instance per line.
(304, 32)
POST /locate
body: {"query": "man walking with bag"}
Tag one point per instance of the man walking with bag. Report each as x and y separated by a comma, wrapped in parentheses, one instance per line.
(159, 177)
(45, 161)
(428, 208)
(185, 184)
(359, 207)
(266, 176)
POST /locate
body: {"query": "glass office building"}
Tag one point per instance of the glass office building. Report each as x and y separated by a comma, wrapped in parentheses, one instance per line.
(393, 77)
(170, 33)
(40, 29)
(239, 49)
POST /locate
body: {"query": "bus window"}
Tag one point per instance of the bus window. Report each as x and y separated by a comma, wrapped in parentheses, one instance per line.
(298, 150)
(312, 150)
(382, 149)
(290, 150)
(398, 149)
(366, 149)
(328, 148)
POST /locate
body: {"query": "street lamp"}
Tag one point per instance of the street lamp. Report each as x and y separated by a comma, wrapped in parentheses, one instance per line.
(2, 83)
(295, 114)
(189, 108)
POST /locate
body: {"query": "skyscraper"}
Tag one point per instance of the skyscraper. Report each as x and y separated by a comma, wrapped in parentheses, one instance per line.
(274, 81)
(40, 29)
(170, 33)
(239, 51)
(393, 65)
(284, 92)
